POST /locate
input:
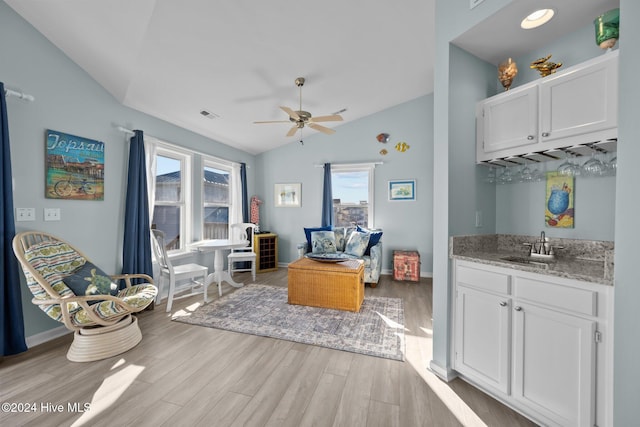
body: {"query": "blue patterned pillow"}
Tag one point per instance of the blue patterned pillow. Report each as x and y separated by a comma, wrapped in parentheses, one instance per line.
(90, 280)
(308, 231)
(340, 238)
(357, 244)
(374, 237)
(323, 242)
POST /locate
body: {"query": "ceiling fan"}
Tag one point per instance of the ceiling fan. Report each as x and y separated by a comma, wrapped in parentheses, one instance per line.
(302, 118)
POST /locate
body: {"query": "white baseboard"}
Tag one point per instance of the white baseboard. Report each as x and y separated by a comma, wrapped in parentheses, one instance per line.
(45, 336)
(442, 373)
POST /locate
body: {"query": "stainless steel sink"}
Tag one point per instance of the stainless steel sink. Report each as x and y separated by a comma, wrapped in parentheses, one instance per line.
(524, 260)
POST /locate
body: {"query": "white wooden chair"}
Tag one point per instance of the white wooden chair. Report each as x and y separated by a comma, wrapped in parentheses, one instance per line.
(177, 273)
(243, 231)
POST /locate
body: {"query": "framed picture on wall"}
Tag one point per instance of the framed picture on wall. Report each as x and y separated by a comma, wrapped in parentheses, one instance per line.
(288, 195)
(74, 167)
(402, 190)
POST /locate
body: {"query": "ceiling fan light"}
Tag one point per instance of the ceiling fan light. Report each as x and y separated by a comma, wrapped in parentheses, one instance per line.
(537, 18)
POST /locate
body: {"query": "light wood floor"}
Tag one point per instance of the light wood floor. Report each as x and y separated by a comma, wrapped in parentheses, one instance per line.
(183, 375)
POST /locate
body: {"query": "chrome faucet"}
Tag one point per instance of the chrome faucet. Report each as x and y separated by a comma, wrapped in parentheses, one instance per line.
(541, 247)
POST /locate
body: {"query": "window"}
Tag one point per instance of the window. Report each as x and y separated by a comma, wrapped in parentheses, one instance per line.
(171, 202)
(216, 197)
(352, 190)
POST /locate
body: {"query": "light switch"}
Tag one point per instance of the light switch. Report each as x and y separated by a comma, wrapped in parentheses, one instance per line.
(25, 214)
(52, 214)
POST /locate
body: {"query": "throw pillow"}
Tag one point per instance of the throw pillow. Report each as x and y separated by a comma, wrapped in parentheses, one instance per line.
(374, 237)
(341, 238)
(357, 244)
(308, 231)
(90, 280)
(323, 242)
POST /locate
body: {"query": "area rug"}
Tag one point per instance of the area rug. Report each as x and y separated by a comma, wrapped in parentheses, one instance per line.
(377, 330)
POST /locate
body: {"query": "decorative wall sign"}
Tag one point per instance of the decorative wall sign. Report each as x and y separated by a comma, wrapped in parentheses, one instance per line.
(402, 190)
(559, 212)
(74, 167)
(288, 195)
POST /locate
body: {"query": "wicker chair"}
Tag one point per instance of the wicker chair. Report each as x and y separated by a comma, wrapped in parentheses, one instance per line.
(102, 321)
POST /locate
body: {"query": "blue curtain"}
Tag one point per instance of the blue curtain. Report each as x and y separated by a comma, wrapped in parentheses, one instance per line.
(12, 324)
(327, 198)
(136, 257)
(245, 199)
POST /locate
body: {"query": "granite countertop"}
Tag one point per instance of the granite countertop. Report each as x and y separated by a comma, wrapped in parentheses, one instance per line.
(586, 260)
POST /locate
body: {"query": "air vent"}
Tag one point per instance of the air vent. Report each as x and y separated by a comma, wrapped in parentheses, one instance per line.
(209, 114)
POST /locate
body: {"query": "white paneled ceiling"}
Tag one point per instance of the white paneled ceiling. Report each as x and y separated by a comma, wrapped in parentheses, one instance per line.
(239, 59)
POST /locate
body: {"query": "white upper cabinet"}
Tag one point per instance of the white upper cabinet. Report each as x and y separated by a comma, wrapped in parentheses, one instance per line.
(579, 102)
(510, 121)
(575, 106)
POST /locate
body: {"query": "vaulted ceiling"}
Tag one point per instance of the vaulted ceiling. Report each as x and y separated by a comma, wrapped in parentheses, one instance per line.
(239, 59)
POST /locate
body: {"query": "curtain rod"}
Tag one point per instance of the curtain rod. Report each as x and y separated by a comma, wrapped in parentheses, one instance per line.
(349, 164)
(129, 131)
(21, 95)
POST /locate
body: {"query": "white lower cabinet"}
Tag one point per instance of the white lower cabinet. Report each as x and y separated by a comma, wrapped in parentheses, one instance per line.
(535, 342)
(554, 364)
(482, 341)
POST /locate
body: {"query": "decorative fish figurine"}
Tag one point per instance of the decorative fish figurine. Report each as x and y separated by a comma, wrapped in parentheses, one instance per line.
(384, 151)
(383, 138)
(402, 147)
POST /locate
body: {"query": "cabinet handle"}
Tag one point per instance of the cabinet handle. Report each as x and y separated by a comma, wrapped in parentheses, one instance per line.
(517, 308)
(545, 134)
(530, 137)
(503, 304)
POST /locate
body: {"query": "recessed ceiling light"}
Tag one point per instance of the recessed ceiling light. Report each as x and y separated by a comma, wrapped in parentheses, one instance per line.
(537, 18)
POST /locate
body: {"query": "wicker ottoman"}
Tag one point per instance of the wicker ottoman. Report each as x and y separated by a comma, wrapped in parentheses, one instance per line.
(329, 285)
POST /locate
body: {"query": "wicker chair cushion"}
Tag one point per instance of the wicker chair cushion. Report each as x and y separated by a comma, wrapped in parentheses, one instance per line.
(138, 296)
(54, 261)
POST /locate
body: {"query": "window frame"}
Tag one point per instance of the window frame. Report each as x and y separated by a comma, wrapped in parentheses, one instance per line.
(211, 162)
(360, 167)
(186, 200)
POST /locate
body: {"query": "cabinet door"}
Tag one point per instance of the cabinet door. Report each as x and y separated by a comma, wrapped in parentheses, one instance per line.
(554, 364)
(510, 120)
(482, 331)
(579, 102)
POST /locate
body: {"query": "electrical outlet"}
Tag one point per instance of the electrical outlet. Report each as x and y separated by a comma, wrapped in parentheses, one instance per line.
(52, 214)
(25, 214)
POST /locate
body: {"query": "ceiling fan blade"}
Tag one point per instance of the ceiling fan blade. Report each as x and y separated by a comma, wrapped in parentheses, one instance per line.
(292, 131)
(331, 118)
(322, 129)
(291, 113)
(273, 121)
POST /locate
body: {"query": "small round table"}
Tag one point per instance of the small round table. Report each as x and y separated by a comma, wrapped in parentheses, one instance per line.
(219, 273)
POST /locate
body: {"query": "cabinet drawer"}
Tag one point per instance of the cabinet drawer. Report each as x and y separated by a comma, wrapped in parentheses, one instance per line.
(565, 298)
(483, 279)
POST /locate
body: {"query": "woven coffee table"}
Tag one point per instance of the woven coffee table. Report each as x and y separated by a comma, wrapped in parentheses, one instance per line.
(337, 285)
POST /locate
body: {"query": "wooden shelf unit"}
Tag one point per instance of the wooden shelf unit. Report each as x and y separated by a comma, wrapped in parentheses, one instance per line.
(266, 248)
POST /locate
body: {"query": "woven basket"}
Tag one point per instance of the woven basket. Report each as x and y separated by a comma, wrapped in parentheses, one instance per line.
(328, 285)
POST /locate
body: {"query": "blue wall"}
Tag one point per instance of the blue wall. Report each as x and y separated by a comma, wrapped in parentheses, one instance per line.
(68, 100)
(406, 225)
